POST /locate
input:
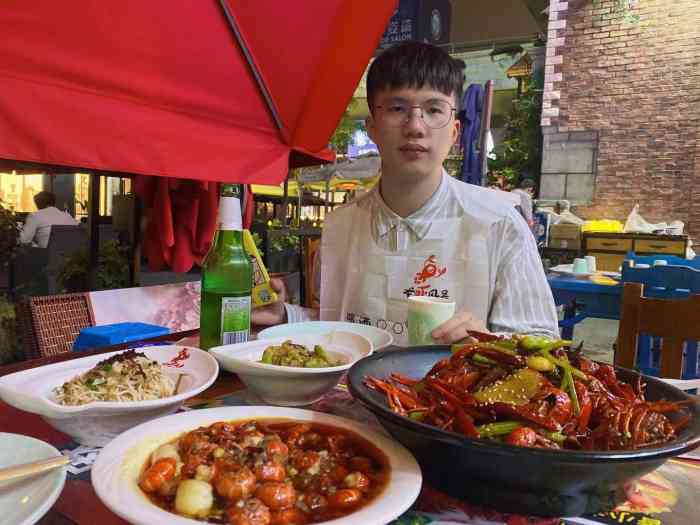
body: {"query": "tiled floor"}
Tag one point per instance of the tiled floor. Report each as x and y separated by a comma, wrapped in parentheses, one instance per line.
(598, 336)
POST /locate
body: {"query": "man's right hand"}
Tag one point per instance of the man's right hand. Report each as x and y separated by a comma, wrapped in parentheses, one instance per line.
(275, 313)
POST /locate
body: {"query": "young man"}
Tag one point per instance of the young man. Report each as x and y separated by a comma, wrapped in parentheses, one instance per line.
(419, 231)
(37, 227)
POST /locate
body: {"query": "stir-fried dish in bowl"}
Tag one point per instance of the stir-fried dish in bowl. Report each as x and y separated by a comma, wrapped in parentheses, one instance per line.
(293, 354)
(533, 392)
(457, 408)
(264, 472)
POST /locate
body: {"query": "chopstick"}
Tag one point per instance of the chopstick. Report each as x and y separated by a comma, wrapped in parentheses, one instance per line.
(177, 385)
(35, 467)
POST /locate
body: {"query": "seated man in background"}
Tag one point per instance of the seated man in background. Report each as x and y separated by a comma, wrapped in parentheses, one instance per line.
(37, 227)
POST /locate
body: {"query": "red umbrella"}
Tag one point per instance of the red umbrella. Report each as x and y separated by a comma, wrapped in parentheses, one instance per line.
(213, 90)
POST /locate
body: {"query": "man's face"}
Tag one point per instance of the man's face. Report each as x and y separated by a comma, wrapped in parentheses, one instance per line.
(411, 149)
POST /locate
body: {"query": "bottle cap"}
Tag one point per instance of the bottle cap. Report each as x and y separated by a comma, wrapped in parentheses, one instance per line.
(230, 214)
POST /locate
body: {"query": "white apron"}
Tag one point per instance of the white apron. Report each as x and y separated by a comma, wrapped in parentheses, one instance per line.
(364, 283)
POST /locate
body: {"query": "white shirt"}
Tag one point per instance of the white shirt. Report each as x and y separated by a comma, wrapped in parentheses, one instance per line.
(37, 227)
(520, 297)
(525, 203)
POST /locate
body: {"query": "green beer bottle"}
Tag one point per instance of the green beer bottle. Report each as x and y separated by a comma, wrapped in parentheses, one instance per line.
(227, 277)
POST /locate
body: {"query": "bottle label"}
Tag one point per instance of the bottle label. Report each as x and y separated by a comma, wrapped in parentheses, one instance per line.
(235, 319)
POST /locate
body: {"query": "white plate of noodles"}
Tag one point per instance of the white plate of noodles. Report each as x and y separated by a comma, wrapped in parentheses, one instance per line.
(94, 398)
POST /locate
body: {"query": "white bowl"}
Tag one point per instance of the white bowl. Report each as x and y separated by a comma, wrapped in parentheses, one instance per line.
(95, 424)
(380, 338)
(287, 385)
(116, 472)
(24, 501)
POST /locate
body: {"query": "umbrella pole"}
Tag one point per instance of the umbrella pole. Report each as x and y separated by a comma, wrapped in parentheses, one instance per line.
(94, 229)
(328, 189)
(285, 200)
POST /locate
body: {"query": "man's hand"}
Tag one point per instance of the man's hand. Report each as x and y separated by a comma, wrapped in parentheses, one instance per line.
(457, 328)
(275, 313)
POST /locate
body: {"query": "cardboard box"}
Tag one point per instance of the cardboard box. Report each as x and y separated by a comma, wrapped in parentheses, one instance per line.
(565, 236)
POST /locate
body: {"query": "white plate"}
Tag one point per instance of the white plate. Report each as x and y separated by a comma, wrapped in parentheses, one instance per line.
(94, 424)
(288, 385)
(115, 473)
(24, 501)
(567, 269)
(380, 338)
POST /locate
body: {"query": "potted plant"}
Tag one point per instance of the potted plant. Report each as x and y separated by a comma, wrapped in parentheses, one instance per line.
(9, 350)
(112, 269)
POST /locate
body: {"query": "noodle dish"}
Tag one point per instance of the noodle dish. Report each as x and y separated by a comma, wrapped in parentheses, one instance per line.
(94, 398)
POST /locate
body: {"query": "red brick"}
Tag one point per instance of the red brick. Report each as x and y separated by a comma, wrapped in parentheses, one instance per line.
(638, 85)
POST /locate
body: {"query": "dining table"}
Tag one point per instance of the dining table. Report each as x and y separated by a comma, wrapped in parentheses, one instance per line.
(582, 298)
(78, 503)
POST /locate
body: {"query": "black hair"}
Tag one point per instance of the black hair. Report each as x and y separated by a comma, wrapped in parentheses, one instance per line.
(44, 199)
(415, 65)
(526, 183)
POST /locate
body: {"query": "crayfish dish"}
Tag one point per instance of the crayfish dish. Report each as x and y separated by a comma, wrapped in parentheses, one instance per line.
(533, 392)
(265, 472)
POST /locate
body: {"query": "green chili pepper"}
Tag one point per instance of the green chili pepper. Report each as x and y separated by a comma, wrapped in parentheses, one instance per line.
(497, 348)
(456, 347)
(417, 415)
(556, 436)
(478, 358)
(575, 371)
(497, 429)
(572, 388)
(534, 342)
(509, 344)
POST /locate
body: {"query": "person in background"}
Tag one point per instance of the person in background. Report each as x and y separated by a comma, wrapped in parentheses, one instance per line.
(420, 231)
(37, 226)
(526, 191)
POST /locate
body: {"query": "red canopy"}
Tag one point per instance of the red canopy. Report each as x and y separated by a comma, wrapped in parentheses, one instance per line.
(216, 90)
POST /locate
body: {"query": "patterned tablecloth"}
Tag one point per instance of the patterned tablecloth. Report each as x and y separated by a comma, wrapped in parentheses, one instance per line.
(667, 496)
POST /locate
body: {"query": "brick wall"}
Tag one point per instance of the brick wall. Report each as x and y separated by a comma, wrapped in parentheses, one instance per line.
(637, 85)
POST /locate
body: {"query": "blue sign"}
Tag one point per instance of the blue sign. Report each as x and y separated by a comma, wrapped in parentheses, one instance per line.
(420, 20)
(402, 25)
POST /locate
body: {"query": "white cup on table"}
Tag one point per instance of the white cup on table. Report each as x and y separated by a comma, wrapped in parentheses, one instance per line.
(425, 314)
(580, 265)
(591, 263)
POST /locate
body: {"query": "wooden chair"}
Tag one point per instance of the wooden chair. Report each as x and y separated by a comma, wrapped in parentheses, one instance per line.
(49, 324)
(311, 248)
(677, 321)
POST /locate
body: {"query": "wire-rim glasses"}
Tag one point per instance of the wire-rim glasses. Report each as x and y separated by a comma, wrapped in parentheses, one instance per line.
(435, 113)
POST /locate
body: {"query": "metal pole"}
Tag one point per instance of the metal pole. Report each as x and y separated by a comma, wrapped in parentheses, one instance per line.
(254, 69)
(285, 200)
(485, 128)
(94, 229)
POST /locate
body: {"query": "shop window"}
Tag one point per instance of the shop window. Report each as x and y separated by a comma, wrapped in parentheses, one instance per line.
(17, 191)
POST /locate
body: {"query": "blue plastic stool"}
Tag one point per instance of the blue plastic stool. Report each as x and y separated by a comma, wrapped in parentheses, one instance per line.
(113, 334)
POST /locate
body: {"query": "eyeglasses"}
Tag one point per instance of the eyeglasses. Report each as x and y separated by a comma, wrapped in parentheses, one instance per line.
(435, 113)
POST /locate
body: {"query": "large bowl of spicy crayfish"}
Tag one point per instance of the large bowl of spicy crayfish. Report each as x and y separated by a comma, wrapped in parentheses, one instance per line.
(526, 424)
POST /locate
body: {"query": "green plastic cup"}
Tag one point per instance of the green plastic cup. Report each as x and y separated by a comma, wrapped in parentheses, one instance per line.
(425, 314)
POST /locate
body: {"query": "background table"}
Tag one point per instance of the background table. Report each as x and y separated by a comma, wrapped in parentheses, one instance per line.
(583, 298)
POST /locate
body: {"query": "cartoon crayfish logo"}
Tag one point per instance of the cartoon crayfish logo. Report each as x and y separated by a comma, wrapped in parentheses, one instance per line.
(430, 270)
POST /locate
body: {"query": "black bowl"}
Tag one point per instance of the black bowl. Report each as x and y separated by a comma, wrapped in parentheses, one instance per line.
(513, 479)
